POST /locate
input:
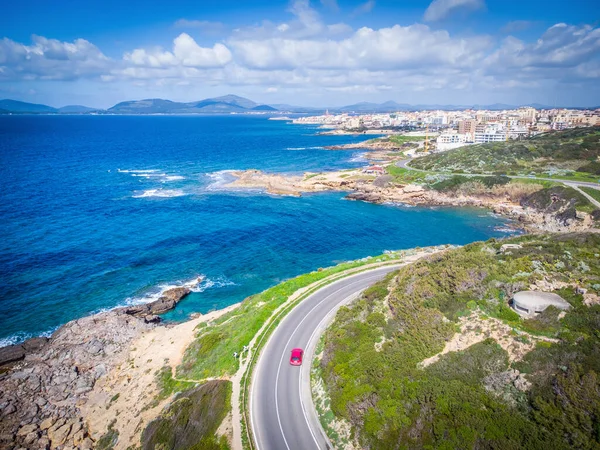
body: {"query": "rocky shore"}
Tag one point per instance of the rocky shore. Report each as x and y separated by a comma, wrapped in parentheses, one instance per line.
(557, 216)
(46, 382)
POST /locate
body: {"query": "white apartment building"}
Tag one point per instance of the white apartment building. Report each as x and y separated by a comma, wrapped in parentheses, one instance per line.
(452, 140)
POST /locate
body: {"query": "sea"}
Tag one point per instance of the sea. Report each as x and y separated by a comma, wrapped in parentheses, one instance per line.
(98, 212)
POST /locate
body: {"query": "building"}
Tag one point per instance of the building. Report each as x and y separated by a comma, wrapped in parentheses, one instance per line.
(449, 141)
(467, 126)
(530, 303)
(374, 170)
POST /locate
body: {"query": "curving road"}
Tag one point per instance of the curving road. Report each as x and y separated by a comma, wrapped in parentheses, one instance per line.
(282, 414)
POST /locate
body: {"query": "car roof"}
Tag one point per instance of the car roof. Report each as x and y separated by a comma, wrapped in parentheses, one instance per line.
(297, 350)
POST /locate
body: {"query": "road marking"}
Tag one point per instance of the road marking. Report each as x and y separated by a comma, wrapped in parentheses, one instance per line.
(285, 352)
(326, 318)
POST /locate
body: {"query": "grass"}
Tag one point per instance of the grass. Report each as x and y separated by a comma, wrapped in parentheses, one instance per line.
(467, 399)
(263, 338)
(400, 139)
(594, 193)
(406, 176)
(567, 154)
(211, 353)
(167, 385)
(191, 420)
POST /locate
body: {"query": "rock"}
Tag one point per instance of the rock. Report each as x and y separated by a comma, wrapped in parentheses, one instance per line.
(152, 319)
(11, 353)
(26, 429)
(8, 409)
(87, 444)
(100, 371)
(78, 437)
(34, 344)
(47, 423)
(7, 437)
(31, 438)
(521, 383)
(17, 352)
(60, 435)
(43, 443)
(166, 302)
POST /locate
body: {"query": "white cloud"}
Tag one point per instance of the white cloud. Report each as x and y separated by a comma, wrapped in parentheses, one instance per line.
(306, 55)
(50, 59)
(440, 9)
(562, 46)
(386, 48)
(186, 52)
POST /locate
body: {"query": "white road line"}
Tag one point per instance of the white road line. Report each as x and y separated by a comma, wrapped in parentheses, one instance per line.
(308, 344)
(285, 352)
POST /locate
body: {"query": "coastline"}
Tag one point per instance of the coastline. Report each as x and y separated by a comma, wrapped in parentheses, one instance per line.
(69, 388)
(382, 189)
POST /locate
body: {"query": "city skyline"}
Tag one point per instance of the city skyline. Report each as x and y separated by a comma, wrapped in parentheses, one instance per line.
(309, 53)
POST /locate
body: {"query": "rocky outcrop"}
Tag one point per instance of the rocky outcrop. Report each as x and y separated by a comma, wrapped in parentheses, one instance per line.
(17, 352)
(166, 302)
(41, 394)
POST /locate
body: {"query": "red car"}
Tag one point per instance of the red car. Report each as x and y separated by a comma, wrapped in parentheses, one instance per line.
(296, 358)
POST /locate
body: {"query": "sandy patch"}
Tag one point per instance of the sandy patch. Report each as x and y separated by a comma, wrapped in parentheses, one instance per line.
(126, 392)
(474, 328)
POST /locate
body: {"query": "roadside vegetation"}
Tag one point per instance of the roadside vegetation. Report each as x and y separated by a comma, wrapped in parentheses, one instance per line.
(526, 384)
(211, 353)
(594, 193)
(571, 154)
(191, 420)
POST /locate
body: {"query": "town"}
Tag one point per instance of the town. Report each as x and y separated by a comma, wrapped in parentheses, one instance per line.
(452, 129)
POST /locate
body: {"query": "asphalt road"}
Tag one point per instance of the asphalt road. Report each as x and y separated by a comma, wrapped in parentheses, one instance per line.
(282, 414)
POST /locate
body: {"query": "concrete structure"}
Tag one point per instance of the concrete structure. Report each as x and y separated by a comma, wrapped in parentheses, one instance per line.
(451, 140)
(530, 303)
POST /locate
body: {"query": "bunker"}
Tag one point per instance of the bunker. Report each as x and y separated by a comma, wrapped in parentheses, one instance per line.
(530, 303)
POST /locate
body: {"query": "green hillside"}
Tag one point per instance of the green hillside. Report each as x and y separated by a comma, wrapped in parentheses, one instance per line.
(558, 153)
(524, 384)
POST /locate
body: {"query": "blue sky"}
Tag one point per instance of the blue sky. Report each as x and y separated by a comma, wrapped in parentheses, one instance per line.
(317, 52)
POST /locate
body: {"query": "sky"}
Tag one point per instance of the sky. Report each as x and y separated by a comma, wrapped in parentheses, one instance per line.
(302, 52)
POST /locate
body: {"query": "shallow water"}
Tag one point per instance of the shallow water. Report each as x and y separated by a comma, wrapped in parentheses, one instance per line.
(101, 211)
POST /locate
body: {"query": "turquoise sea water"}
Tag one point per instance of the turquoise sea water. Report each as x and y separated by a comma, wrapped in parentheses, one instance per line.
(101, 211)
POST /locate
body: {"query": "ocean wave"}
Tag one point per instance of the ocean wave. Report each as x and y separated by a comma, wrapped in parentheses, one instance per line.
(173, 178)
(196, 284)
(138, 171)
(305, 148)
(504, 229)
(160, 193)
(219, 179)
(19, 337)
(358, 157)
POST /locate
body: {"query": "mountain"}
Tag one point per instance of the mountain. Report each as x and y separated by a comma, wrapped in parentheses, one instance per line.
(16, 106)
(264, 108)
(296, 109)
(147, 106)
(234, 100)
(76, 109)
(217, 105)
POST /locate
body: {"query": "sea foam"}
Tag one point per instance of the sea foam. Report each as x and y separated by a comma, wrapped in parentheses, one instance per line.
(196, 284)
(160, 193)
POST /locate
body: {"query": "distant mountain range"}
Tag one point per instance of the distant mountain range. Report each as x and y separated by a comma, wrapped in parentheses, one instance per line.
(217, 105)
(232, 104)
